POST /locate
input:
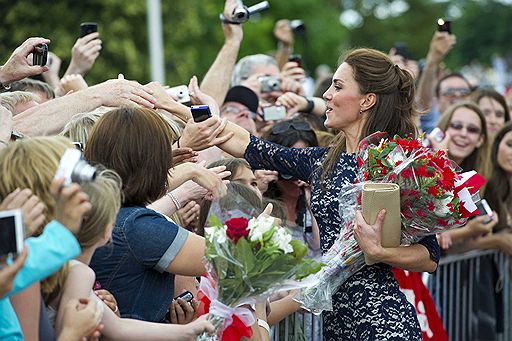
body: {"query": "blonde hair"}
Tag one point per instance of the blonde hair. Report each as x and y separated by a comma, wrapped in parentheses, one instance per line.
(77, 130)
(9, 100)
(32, 163)
(105, 198)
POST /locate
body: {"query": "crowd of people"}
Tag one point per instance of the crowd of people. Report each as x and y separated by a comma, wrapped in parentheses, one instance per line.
(110, 257)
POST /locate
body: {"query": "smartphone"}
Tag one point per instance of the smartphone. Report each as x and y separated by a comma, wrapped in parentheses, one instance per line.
(484, 209)
(200, 113)
(297, 58)
(274, 113)
(181, 93)
(88, 28)
(40, 55)
(187, 296)
(444, 25)
(11, 233)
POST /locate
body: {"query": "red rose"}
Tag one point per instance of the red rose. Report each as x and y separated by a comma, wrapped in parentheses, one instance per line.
(237, 228)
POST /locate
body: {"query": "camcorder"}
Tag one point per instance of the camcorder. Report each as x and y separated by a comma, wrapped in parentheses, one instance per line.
(242, 13)
(74, 169)
(270, 83)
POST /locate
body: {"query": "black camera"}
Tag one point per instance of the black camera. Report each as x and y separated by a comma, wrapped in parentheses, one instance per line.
(242, 13)
(40, 55)
(444, 25)
(270, 83)
(298, 26)
(87, 28)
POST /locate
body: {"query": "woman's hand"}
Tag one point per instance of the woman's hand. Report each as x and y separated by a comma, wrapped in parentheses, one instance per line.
(444, 240)
(482, 225)
(443, 144)
(202, 135)
(81, 320)
(182, 312)
(212, 180)
(71, 204)
(264, 178)
(369, 236)
(199, 97)
(189, 213)
(193, 329)
(31, 207)
(108, 299)
(182, 155)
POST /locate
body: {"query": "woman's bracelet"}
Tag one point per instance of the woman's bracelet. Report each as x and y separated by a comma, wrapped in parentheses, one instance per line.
(263, 324)
(175, 200)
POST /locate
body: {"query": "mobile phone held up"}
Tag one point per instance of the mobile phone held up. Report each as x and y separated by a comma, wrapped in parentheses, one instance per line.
(297, 58)
(88, 28)
(444, 25)
(40, 55)
(187, 296)
(11, 233)
(200, 113)
(274, 113)
(485, 209)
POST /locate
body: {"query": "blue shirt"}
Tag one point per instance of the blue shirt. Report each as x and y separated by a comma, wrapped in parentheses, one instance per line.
(133, 267)
(46, 254)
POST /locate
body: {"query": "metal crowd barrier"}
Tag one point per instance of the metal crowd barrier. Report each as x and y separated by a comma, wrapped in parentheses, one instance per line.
(298, 327)
(453, 288)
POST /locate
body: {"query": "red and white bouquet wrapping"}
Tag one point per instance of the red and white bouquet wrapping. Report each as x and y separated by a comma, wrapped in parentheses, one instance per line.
(434, 197)
(247, 258)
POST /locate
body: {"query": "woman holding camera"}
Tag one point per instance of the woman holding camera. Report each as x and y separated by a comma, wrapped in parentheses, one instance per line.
(368, 94)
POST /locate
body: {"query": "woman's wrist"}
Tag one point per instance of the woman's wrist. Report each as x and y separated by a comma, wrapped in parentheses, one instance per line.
(264, 325)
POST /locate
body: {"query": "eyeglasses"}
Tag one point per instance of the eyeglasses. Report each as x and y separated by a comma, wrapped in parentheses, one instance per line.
(471, 129)
(285, 126)
(229, 109)
(456, 92)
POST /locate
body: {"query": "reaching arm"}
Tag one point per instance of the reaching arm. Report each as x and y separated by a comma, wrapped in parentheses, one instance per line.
(217, 80)
(50, 117)
(440, 45)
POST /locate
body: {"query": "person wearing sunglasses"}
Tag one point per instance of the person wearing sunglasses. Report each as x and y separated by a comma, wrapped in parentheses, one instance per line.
(368, 93)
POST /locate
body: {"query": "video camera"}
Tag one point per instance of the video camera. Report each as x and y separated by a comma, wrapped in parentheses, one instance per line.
(242, 13)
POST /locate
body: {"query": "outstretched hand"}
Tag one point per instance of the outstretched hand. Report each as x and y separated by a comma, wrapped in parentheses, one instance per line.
(18, 66)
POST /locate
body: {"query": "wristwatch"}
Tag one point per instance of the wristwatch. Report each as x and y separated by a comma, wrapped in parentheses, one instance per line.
(311, 105)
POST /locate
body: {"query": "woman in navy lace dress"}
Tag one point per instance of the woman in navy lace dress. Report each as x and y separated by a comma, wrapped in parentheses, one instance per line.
(368, 94)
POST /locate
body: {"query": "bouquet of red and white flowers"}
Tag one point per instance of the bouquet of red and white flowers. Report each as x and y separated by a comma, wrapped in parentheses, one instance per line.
(247, 259)
(434, 197)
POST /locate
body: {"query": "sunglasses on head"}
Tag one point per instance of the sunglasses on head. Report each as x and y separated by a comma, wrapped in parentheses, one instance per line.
(470, 128)
(282, 127)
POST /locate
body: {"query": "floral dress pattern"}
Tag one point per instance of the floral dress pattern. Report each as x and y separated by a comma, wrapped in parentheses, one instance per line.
(369, 306)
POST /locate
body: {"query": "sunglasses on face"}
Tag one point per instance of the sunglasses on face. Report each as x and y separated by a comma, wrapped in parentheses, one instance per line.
(471, 129)
(282, 127)
(456, 92)
(236, 111)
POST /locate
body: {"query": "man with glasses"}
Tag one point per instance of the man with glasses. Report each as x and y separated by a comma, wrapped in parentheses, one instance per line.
(240, 107)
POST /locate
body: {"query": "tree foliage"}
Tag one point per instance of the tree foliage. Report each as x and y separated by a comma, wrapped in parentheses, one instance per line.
(193, 34)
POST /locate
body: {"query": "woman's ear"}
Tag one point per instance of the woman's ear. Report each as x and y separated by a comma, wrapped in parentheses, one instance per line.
(368, 101)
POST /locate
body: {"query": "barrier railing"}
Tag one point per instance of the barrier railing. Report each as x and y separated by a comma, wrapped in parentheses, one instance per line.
(467, 285)
(453, 289)
(298, 327)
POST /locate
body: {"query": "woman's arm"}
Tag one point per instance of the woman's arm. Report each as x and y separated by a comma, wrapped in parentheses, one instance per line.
(79, 283)
(27, 304)
(412, 258)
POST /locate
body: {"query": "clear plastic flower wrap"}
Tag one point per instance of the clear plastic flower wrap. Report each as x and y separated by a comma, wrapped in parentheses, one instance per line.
(248, 257)
(434, 197)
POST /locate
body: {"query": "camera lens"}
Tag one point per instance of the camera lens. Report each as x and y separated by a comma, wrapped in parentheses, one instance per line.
(298, 26)
(83, 172)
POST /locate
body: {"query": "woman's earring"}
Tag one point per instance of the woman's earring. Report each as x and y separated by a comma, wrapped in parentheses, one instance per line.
(360, 111)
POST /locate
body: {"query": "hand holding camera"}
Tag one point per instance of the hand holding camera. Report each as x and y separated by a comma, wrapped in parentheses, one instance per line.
(183, 308)
(18, 66)
(32, 209)
(242, 13)
(441, 43)
(70, 204)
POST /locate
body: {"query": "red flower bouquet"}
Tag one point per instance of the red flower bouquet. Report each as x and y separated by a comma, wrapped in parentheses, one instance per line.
(246, 259)
(434, 197)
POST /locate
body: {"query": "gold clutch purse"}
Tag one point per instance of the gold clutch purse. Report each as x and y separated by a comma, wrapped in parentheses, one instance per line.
(378, 196)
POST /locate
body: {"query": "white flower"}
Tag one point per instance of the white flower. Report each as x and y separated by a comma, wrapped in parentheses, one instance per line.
(282, 239)
(258, 227)
(216, 233)
(395, 157)
(442, 205)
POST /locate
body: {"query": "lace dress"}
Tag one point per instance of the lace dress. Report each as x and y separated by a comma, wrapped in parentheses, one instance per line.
(369, 306)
